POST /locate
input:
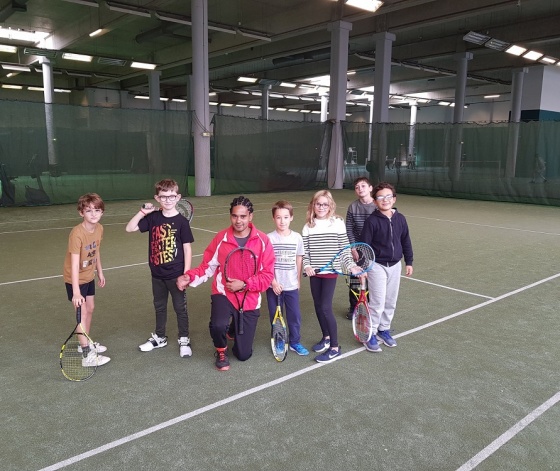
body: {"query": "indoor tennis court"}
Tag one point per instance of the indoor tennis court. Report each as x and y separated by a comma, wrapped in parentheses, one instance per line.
(473, 383)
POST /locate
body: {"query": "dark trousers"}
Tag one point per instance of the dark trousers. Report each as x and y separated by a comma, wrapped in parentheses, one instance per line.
(161, 290)
(292, 313)
(220, 317)
(322, 291)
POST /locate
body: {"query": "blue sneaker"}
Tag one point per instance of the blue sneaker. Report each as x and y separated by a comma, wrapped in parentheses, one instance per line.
(280, 345)
(328, 356)
(384, 337)
(372, 345)
(322, 346)
(299, 349)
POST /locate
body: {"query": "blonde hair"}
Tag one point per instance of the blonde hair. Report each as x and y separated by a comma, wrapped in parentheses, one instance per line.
(310, 216)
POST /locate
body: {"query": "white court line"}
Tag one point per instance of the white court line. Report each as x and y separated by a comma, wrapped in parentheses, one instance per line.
(508, 435)
(283, 379)
(446, 287)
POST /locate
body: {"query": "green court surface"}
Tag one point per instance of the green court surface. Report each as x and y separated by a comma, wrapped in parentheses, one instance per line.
(472, 384)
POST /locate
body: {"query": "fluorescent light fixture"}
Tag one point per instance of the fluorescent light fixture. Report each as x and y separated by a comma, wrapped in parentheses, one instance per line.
(275, 95)
(6, 48)
(130, 9)
(22, 35)
(241, 92)
(226, 104)
(497, 44)
(308, 86)
(515, 50)
(306, 98)
(179, 100)
(368, 5)
(141, 97)
(315, 112)
(213, 103)
(12, 74)
(348, 114)
(256, 93)
(241, 106)
(281, 109)
(97, 32)
(548, 60)
(533, 55)
(76, 57)
(293, 110)
(172, 18)
(254, 107)
(163, 99)
(489, 97)
(62, 90)
(212, 94)
(89, 3)
(17, 68)
(288, 85)
(423, 100)
(247, 79)
(351, 72)
(444, 103)
(143, 65)
(305, 111)
(253, 34)
(36, 89)
(12, 87)
(476, 38)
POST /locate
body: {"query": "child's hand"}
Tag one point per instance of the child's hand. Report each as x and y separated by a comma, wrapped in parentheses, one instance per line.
(101, 280)
(183, 281)
(148, 208)
(309, 271)
(78, 300)
(276, 287)
(408, 270)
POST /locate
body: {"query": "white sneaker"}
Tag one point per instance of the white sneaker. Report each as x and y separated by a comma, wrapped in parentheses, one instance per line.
(93, 359)
(95, 345)
(153, 342)
(185, 347)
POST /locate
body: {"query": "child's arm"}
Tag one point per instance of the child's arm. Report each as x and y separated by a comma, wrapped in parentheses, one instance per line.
(187, 250)
(299, 267)
(99, 268)
(77, 298)
(146, 209)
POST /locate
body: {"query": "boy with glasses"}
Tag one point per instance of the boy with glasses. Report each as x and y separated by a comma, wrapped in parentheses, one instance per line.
(386, 230)
(169, 256)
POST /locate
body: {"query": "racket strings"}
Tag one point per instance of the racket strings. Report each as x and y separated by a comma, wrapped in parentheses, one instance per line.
(362, 323)
(73, 360)
(241, 266)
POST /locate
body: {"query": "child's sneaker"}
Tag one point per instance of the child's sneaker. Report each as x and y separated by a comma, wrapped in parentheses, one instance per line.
(184, 347)
(95, 345)
(372, 345)
(322, 346)
(328, 356)
(384, 337)
(153, 342)
(94, 360)
(222, 360)
(299, 349)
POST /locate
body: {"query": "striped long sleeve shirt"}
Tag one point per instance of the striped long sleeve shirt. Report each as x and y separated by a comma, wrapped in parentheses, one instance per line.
(323, 241)
(356, 216)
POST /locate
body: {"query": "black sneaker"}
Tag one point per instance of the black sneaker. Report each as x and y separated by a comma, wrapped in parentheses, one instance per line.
(222, 360)
(350, 313)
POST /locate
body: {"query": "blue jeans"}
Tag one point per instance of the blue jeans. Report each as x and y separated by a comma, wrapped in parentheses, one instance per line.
(292, 313)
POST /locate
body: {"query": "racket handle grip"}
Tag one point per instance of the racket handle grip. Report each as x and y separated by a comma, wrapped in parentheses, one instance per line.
(316, 272)
(78, 314)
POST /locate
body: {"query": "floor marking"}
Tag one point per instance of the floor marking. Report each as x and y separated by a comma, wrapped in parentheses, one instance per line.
(446, 287)
(508, 435)
(235, 397)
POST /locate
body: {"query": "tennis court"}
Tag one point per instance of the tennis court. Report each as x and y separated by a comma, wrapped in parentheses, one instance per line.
(473, 383)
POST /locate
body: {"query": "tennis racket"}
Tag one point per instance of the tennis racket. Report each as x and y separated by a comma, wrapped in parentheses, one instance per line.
(241, 264)
(358, 254)
(361, 320)
(77, 365)
(279, 334)
(185, 207)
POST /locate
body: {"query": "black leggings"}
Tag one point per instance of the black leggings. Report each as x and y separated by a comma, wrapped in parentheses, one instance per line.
(322, 290)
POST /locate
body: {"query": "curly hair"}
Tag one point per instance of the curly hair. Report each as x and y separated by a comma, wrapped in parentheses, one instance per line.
(241, 201)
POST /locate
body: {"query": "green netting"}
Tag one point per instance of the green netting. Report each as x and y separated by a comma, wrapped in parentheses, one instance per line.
(65, 151)
(252, 155)
(469, 160)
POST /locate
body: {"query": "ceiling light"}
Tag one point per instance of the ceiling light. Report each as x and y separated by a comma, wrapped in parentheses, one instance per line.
(62, 90)
(22, 35)
(76, 57)
(253, 34)
(515, 50)
(256, 93)
(275, 95)
(288, 85)
(179, 100)
(548, 60)
(423, 100)
(255, 107)
(247, 79)
(6, 48)
(18, 68)
(489, 97)
(368, 5)
(226, 104)
(173, 18)
(36, 89)
(305, 111)
(497, 44)
(280, 109)
(97, 32)
(533, 55)
(141, 97)
(143, 65)
(476, 38)
(213, 103)
(13, 87)
(89, 3)
(241, 106)
(293, 110)
(131, 9)
(444, 103)
(163, 99)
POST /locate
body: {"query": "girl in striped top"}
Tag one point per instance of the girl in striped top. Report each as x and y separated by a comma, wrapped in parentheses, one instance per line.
(324, 234)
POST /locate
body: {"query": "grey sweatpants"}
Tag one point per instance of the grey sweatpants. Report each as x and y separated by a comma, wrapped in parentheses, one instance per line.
(384, 283)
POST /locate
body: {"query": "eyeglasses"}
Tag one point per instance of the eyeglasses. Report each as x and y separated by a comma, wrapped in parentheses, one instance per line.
(322, 205)
(384, 198)
(168, 198)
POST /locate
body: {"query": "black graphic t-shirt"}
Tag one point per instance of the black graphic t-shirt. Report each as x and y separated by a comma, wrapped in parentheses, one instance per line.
(167, 236)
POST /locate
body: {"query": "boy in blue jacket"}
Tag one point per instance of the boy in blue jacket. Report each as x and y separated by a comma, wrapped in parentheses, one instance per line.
(386, 230)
